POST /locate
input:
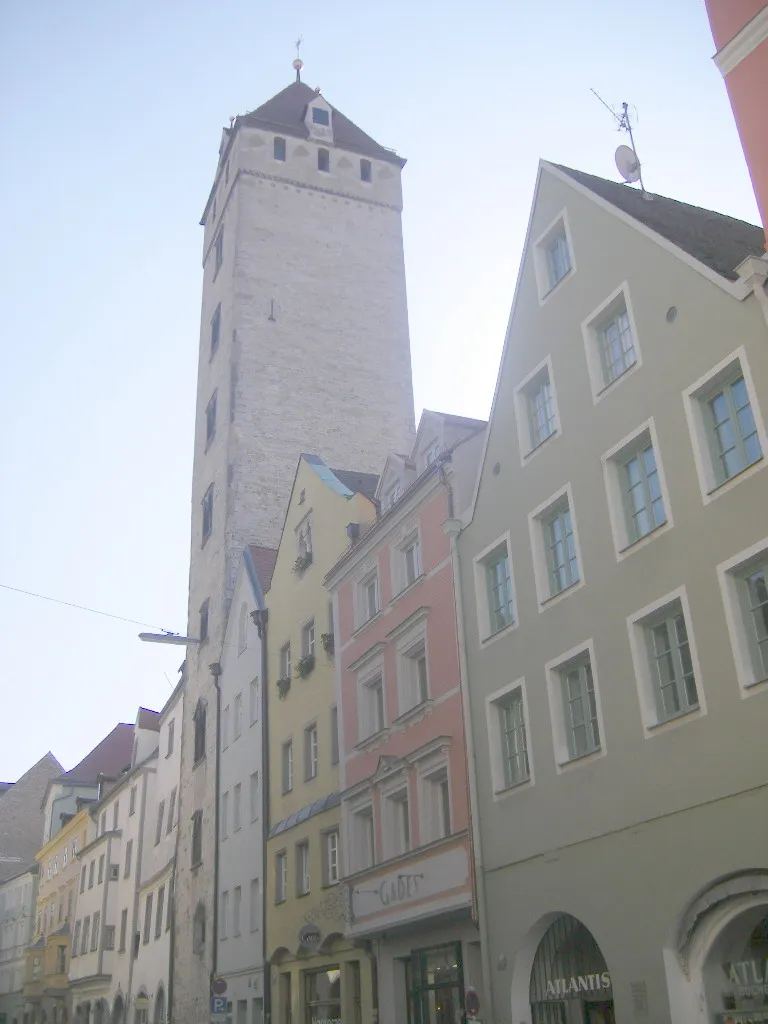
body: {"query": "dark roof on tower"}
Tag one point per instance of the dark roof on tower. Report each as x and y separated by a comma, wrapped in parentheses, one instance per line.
(718, 241)
(358, 483)
(285, 112)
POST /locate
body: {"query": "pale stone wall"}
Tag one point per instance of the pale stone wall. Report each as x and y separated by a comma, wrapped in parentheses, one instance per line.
(330, 373)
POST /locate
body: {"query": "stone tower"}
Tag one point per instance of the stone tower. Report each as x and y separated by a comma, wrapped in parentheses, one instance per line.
(303, 347)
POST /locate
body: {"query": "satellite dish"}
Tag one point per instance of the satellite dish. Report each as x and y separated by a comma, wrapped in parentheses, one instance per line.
(627, 163)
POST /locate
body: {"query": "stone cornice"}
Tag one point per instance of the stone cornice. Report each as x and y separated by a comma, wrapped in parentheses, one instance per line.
(319, 188)
(743, 43)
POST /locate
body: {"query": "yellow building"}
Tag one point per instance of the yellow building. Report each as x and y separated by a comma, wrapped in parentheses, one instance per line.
(45, 986)
(316, 974)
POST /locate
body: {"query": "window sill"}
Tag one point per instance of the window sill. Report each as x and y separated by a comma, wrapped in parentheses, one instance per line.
(545, 295)
(734, 480)
(527, 456)
(659, 727)
(416, 712)
(580, 759)
(513, 787)
(754, 683)
(486, 641)
(367, 622)
(302, 895)
(549, 602)
(407, 588)
(329, 885)
(376, 737)
(604, 389)
(280, 901)
(642, 542)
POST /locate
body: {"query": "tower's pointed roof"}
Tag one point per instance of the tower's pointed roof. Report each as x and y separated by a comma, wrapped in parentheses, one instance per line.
(286, 111)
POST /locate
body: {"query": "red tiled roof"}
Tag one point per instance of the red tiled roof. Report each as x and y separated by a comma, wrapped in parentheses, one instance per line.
(149, 719)
(264, 563)
(107, 758)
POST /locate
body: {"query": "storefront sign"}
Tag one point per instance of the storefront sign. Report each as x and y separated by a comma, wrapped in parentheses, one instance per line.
(423, 879)
(749, 977)
(309, 936)
(562, 988)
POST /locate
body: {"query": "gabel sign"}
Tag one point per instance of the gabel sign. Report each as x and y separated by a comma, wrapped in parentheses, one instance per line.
(563, 988)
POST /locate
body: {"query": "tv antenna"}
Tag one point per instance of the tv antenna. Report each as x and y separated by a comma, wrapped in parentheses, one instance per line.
(627, 160)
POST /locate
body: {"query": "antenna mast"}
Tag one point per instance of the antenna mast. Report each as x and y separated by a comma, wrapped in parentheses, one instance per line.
(624, 124)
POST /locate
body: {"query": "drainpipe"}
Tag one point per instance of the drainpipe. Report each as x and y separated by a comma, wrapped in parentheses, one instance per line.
(216, 672)
(260, 618)
(453, 528)
(135, 922)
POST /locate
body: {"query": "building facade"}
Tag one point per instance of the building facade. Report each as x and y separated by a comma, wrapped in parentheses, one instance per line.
(740, 31)
(316, 973)
(405, 806)
(241, 843)
(303, 346)
(18, 907)
(21, 818)
(618, 703)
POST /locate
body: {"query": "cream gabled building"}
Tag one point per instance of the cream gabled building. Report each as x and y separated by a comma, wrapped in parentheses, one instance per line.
(303, 347)
(614, 583)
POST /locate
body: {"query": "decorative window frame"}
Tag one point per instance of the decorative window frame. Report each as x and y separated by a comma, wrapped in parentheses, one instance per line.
(364, 804)
(590, 329)
(409, 637)
(479, 564)
(540, 568)
(559, 224)
(397, 784)
(728, 573)
(366, 671)
(406, 535)
(367, 572)
(427, 769)
(493, 704)
(694, 400)
(553, 670)
(613, 462)
(646, 694)
(528, 450)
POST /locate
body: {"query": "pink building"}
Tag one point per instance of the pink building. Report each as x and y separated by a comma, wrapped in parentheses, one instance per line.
(740, 32)
(405, 805)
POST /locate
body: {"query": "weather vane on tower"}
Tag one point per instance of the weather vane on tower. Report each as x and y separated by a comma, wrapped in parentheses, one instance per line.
(298, 63)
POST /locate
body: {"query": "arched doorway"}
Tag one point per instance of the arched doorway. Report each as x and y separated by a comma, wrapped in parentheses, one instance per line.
(570, 982)
(159, 1013)
(735, 973)
(118, 1009)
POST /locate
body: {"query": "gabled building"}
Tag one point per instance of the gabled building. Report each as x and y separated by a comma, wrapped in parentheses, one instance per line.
(317, 973)
(239, 956)
(614, 583)
(21, 817)
(303, 347)
(403, 771)
(18, 906)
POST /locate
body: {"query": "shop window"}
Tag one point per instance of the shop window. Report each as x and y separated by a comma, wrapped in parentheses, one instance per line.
(435, 983)
(569, 977)
(322, 995)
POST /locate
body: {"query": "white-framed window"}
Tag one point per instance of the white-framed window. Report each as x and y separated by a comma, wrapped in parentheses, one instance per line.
(331, 864)
(255, 908)
(224, 815)
(171, 810)
(287, 766)
(285, 661)
(308, 639)
(638, 500)
(666, 662)
(553, 256)
(494, 589)
(310, 751)
(431, 452)
(397, 821)
(238, 715)
(304, 539)
(744, 586)
(254, 798)
(224, 922)
(508, 742)
(726, 425)
(409, 561)
(281, 876)
(254, 701)
(371, 718)
(435, 804)
(610, 341)
(536, 410)
(362, 846)
(237, 903)
(413, 674)
(302, 868)
(555, 545)
(237, 807)
(225, 715)
(574, 701)
(392, 495)
(368, 597)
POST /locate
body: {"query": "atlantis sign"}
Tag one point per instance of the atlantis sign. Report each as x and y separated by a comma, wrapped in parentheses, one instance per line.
(564, 988)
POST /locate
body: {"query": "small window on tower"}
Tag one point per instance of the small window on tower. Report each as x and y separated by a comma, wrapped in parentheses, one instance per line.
(320, 116)
(207, 513)
(210, 420)
(215, 329)
(323, 160)
(219, 249)
(365, 170)
(279, 148)
(204, 621)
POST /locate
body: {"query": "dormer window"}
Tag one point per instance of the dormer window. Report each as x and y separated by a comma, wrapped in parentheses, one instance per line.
(320, 116)
(432, 452)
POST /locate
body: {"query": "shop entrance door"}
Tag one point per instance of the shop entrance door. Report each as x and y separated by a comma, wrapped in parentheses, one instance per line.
(600, 1013)
(436, 982)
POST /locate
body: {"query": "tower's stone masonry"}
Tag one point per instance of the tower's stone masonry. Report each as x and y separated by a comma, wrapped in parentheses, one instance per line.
(312, 355)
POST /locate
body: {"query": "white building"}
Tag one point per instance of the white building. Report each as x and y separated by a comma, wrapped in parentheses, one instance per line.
(120, 958)
(18, 898)
(303, 347)
(240, 933)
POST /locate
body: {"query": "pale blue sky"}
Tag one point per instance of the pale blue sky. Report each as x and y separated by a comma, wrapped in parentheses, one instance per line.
(109, 128)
